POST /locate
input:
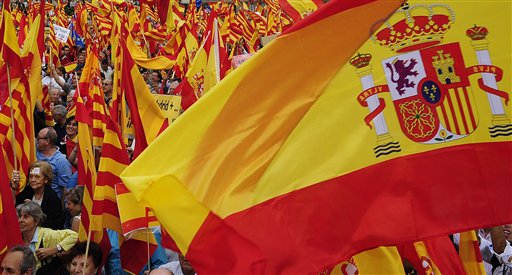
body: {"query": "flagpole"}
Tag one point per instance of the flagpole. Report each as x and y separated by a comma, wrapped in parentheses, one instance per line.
(15, 164)
(87, 247)
(145, 41)
(77, 84)
(216, 49)
(147, 239)
(89, 229)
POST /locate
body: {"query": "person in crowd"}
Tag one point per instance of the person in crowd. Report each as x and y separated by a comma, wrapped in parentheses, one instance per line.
(19, 260)
(55, 96)
(106, 69)
(70, 140)
(59, 113)
(181, 267)
(70, 101)
(39, 191)
(50, 82)
(496, 250)
(68, 88)
(80, 61)
(173, 85)
(79, 262)
(107, 89)
(46, 243)
(39, 116)
(66, 57)
(73, 200)
(155, 82)
(47, 151)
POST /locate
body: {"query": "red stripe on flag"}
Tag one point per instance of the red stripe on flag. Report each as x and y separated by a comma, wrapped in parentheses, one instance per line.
(461, 109)
(400, 204)
(452, 112)
(141, 222)
(471, 114)
(107, 206)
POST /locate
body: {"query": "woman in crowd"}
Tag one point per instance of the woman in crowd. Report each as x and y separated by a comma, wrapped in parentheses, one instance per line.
(39, 191)
(78, 261)
(73, 200)
(71, 137)
(45, 242)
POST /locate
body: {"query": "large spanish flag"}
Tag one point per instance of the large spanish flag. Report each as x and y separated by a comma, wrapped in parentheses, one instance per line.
(275, 170)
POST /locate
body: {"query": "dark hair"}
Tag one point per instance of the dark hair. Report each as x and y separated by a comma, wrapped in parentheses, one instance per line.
(69, 119)
(94, 252)
(28, 261)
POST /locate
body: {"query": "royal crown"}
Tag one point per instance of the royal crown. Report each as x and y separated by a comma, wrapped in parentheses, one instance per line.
(361, 60)
(415, 27)
(477, 32)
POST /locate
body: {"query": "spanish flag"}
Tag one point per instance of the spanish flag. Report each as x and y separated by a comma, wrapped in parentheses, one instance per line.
(276, 171)
(298, 9)
(70, 67)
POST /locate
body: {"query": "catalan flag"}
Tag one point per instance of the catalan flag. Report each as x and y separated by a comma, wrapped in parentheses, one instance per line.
(91, 88)
(16, 118)
(113, 161)
(469, 253)
(86, 171)
(148, 120)
(281, 174)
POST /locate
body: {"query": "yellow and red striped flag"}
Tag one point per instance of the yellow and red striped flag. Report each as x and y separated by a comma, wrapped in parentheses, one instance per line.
(91, 226)
(147, 118)
(298, 9)
(18, 140)
(91, 90)
(86, 169)
(469, 253)
(280, 167)
(32, 54)
(70, 67)
(113, 160)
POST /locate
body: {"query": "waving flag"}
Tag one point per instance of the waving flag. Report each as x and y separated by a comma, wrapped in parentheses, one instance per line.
(8, 216)
(147, 118)
(16, 119)
(299, 9)
(281, 173)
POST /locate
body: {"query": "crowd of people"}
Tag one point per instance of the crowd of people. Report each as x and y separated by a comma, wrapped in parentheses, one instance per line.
(49, 207)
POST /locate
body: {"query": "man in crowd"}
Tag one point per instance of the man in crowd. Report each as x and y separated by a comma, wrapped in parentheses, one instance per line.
(47, 150)
(59, 113)
(19, 260)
